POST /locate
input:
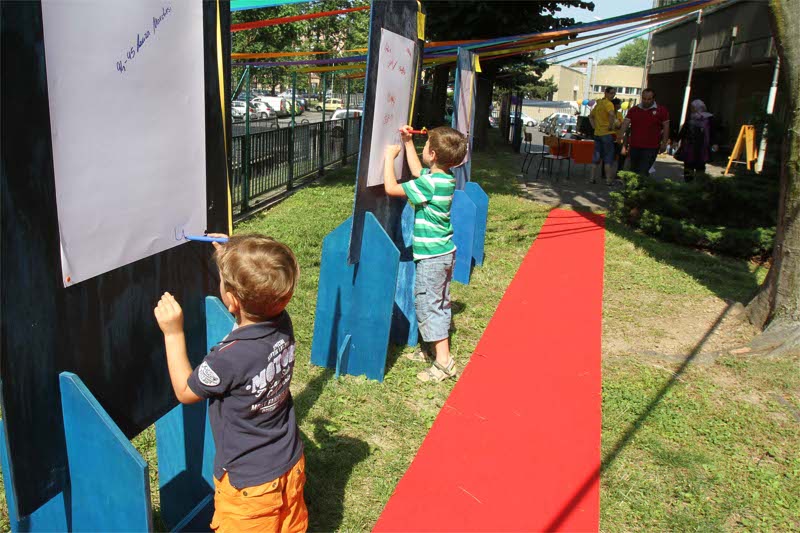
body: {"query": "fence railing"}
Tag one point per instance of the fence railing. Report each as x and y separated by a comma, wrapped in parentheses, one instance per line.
(272, 162)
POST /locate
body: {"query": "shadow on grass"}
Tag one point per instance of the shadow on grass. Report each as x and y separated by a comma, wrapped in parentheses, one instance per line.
(727, 277)
(633, 429)
(329, 464)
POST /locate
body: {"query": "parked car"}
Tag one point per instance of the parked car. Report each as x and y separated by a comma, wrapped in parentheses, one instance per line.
(278, 104)
(560, 126)
(526, 120)
(263, 109)
(331, 104)
(238, 110)
(339, 114)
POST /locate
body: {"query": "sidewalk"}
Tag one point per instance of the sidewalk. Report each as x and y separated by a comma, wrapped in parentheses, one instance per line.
(577, 192)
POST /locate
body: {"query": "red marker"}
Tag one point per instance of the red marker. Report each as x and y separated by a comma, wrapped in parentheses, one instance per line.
(423, 131)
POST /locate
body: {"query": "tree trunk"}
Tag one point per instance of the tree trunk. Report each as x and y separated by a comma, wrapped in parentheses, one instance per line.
(505, 114)
(483, 98)
(776, 306)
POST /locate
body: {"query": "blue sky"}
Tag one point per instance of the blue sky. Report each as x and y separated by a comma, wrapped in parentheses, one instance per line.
(605, 9)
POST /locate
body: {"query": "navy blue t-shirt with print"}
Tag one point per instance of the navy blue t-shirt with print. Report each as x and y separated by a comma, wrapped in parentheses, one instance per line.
(247, 378)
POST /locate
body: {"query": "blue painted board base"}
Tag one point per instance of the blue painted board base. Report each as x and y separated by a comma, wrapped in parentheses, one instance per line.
(356, 301)
(404, 317)
(462, 216)
(481, 201)
(109, 481)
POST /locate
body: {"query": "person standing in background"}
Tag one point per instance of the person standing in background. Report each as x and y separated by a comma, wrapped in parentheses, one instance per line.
(648, 123)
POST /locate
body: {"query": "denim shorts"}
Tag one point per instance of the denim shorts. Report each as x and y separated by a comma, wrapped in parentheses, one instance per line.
(432, 296)
(604, 149)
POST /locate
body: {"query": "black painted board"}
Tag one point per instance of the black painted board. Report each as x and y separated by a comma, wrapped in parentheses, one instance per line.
(400, 17)
(103, 328)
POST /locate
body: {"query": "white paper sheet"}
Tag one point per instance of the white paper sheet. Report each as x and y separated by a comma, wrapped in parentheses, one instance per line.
(394, 84)
(127, 116)
(465, 105)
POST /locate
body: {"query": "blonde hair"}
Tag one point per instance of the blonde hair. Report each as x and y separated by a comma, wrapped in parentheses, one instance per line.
(260, 271)
(450, 146)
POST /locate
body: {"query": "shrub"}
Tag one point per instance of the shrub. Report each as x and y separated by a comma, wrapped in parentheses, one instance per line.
(734, 215)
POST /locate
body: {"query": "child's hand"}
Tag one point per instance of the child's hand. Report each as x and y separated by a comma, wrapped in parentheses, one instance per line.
(217, 245)
(405, 136)
(169, 315)
(392, 151)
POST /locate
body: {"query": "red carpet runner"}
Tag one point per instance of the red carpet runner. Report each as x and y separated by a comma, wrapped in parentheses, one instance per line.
(517, 445)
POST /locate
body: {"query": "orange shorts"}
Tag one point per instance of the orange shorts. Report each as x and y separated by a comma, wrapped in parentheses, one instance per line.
(274, 506)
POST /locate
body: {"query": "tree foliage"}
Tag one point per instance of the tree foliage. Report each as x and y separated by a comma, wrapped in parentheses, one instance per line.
(633, 54)
(336, 34)
(457, 20)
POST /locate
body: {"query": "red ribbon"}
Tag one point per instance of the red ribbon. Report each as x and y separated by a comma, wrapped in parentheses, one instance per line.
(284, 20)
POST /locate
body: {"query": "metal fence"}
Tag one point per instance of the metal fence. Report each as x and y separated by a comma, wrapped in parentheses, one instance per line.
(269, 163)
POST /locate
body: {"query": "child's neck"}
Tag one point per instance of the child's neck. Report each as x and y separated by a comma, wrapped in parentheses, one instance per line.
(243, 321)
(436, 168)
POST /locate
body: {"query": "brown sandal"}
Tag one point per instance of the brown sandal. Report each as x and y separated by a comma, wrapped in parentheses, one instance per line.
(438, 373)
(418, 356)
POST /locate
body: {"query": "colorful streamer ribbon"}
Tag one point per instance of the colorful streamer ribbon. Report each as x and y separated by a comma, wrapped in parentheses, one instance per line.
(242, 26)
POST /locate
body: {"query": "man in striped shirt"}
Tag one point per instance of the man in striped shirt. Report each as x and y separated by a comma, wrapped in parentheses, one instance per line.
(431, 194)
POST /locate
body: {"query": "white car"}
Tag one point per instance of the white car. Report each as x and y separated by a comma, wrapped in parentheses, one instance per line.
(277, 104)
(338, 130)
(238, 109)
(345, 113)
(263, 109)
(526, 120)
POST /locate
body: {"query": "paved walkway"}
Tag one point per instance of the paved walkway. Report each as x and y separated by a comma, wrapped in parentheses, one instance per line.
(575, 191)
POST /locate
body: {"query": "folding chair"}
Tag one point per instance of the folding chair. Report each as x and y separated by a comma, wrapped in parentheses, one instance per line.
(558, 152)
(582, 153)
(531, 152)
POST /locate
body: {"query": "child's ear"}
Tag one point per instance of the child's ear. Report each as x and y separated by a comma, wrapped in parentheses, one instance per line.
(234, 306)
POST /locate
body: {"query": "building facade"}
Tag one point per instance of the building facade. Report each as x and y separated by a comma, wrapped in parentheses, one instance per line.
(573, 84)
(627, 80)
(734, 66)
(570, 82)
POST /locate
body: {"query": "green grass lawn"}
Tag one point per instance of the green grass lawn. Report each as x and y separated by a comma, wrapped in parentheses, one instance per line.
(690, 441)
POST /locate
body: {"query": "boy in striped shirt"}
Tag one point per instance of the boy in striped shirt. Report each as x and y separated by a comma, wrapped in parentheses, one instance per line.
(431, 194)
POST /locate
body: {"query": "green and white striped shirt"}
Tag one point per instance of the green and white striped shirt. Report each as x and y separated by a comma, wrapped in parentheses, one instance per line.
(432, 196)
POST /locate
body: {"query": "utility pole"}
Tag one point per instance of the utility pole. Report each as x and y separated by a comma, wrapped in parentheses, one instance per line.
(688, 91)
(773, 91)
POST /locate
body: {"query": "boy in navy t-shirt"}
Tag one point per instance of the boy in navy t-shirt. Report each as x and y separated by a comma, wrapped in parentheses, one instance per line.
(259, 467)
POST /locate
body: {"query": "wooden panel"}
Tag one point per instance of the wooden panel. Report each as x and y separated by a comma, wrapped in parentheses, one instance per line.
(102, 329)
(463, 215)
(398, 16)
(109, 481)
(355, 301)
(481, 201)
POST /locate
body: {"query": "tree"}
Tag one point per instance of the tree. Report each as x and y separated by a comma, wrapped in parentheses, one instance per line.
(776, 306)
(457, 20)
(633, 54)
(337, 33)
(539, 89)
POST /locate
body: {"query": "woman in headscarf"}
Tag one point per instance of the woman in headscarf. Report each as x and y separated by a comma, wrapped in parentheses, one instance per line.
(697, 141)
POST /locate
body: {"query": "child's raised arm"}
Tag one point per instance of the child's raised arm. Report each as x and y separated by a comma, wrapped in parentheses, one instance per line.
(170, 319)
(389, 179)
(411, 151)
